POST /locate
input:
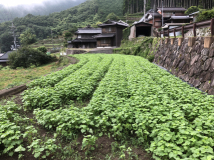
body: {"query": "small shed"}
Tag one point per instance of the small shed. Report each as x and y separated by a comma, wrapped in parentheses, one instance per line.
(140, 29)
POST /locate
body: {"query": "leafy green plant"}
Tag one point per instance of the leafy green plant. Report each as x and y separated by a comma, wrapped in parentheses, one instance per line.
(88, 143)
(41, 149)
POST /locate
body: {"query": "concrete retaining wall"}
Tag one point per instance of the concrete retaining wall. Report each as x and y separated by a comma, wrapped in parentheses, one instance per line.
(12, 91)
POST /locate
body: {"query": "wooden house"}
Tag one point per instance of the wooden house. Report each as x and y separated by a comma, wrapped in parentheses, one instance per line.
(154, 18)
(85, 37)
(112, 34)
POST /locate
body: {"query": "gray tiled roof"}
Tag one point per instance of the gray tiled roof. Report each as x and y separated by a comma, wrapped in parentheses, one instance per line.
(105, 35)
(111, 23)
(89, 31)
(6, 55)
(84, 40)
(172, 9)
(180, 17)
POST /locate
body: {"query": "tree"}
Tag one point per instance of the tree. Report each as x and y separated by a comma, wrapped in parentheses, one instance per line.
(27, 37)
(112, 16)
(6, 40)
(192, 9)
(26, 56)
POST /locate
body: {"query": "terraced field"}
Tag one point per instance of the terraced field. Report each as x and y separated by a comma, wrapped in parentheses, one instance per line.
(128, 98)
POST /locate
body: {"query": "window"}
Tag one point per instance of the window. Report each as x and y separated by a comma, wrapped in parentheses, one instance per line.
(104, 41)
(79, 36)
(109, 29)
(158, 24)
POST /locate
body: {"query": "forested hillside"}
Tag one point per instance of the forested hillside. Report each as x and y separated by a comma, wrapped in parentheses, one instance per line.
(89, 12)
(8, 13)
(133, 6)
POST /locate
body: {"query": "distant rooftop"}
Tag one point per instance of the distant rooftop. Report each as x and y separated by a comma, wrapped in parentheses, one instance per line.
(105, 35)
(172, 9)
(89, 30)
(194, 13)
(6, 55)
(180, 17)
(111, 23)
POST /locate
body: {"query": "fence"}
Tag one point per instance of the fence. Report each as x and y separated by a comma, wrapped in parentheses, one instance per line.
(193, 26)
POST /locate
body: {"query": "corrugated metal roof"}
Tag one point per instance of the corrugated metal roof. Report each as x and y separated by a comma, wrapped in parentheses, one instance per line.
(180, 17)
(173, 9)
(104, 35)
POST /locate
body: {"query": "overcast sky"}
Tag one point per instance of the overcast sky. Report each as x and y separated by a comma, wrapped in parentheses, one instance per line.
(8, 3)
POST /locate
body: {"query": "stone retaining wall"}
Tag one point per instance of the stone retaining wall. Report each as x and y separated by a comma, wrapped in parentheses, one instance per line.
(190, 61)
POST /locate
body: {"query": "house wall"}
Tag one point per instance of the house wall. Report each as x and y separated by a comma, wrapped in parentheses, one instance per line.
(119, 36)
(109, 42)
(156, 19)
(105, 29)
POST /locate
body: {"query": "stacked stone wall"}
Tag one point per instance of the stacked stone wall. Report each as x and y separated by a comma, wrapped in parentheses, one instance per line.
(194, 64)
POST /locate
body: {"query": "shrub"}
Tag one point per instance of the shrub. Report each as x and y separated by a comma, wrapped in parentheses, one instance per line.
(42, 49)
(112, 16)
(192, 9)
(205, 15)
(25, 57)
(151, 58)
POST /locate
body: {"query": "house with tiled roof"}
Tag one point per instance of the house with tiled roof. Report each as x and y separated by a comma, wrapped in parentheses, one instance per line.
(85, 37)
(112, 33)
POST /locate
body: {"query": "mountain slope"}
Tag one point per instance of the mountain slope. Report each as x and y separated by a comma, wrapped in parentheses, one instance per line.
(47, 7)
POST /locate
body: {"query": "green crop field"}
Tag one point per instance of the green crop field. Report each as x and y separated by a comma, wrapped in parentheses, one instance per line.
(126, 98)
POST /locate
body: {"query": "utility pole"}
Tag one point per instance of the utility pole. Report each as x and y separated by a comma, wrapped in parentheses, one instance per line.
(13, 29)
(162, 18)
(144, 10)
(52, 38)
(162, 13)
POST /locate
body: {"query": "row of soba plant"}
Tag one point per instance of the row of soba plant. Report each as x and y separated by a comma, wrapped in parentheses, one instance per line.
(136, 98)
(79, 85)
(55, 77)
(15, 128)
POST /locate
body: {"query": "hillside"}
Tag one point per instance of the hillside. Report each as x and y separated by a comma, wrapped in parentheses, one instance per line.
(89, 12)
(134, 6)
(47, 7)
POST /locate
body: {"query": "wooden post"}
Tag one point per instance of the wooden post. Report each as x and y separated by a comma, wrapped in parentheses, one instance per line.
(194, 29)
(168, 33)
(211, 27)
(183, 31)
(174, 33)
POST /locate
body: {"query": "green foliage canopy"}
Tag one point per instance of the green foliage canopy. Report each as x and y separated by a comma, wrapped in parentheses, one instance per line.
(112, 16)
(26, 56)
(192, 9)
(27, 37)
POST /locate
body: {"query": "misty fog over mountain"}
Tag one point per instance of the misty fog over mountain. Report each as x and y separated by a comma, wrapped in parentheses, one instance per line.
(8, 12)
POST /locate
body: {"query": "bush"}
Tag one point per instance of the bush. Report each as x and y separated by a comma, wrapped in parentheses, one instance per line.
(112, 16)
(191, 9)
(42, 49)
(151, 58)
(25, 57)
(205, 15)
